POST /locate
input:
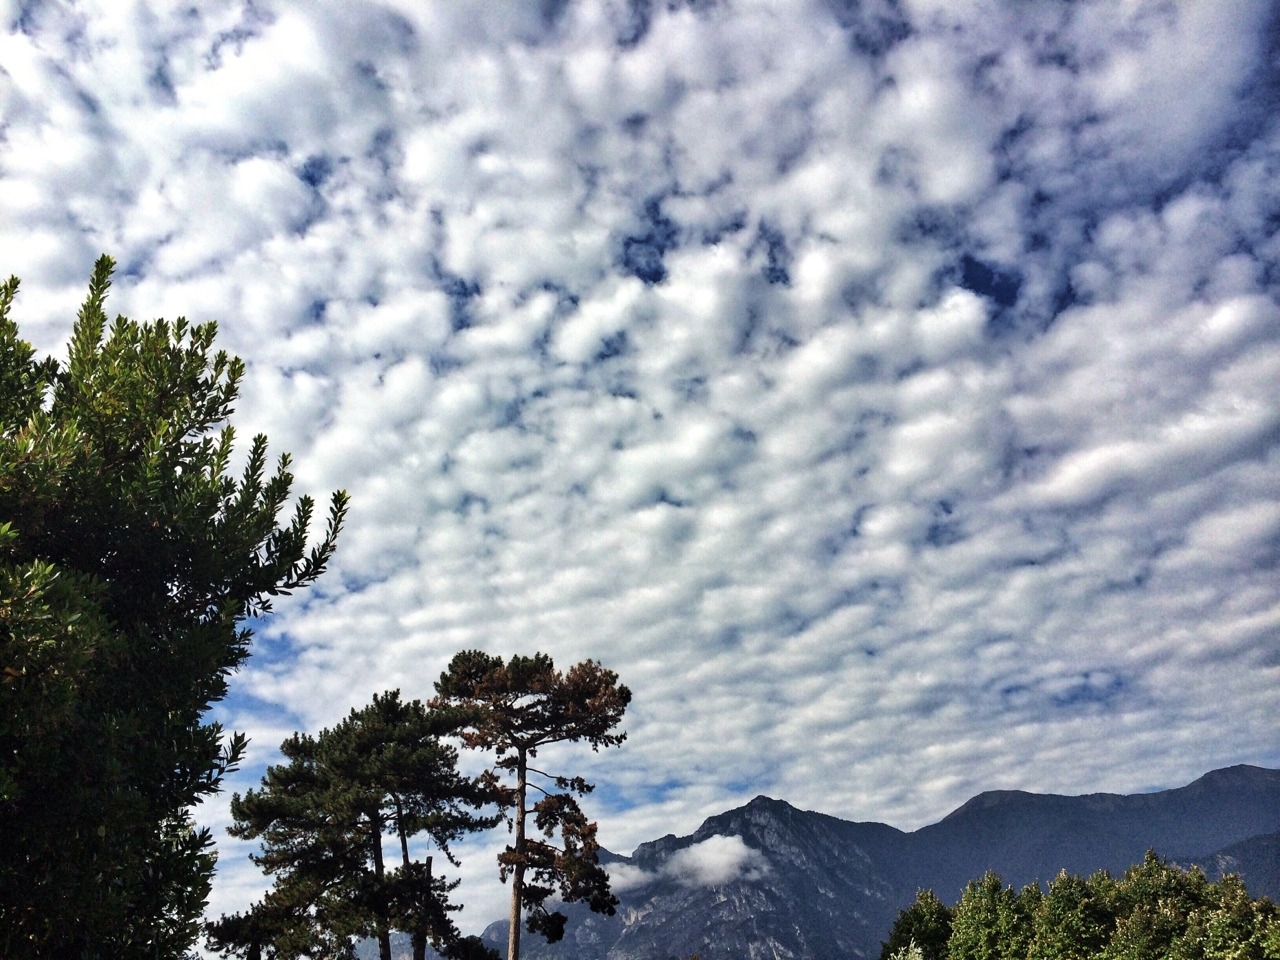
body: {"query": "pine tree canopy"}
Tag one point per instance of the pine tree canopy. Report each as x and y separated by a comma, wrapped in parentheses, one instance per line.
(514, 709)
(323, 818)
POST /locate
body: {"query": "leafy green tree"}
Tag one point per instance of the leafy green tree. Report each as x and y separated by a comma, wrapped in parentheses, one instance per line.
(926, 924)
(1232, 927)
(1154, 904)
(129, 561)
(1155, 910)
(515, 709)
(1075, 919)
(323, 818)
(1021, 921)
(1269, 936)
(991, 922)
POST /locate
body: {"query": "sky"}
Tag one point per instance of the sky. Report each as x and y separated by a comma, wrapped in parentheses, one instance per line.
(886, 390)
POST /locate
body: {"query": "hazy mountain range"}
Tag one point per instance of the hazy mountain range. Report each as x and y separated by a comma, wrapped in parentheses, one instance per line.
(769, 881)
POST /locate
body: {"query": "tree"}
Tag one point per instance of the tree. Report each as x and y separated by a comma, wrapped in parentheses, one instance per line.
(991, 922)
(925, 926)
(1075, 919)
(129, 560)
(515, 709)
(1232, 927)
(1154, 902)
(1156, 911)
(323, 817)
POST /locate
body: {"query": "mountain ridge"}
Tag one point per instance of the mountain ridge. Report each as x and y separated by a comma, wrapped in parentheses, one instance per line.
(771, 881)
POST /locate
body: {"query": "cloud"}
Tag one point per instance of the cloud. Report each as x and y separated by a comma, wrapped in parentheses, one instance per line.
(713, 862)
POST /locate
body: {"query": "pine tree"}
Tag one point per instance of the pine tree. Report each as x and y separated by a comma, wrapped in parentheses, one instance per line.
(323, 818)
(515, 709)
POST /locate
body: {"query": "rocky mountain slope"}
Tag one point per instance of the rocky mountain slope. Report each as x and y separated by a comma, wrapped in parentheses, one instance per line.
(769, 881)
(1257, 860)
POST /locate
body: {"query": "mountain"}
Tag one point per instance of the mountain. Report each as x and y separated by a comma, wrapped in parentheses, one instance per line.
(770, 881)
(1026, 837)
(1256, 860)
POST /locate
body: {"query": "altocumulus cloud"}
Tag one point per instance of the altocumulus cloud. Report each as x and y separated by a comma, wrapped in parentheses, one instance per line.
(885, 390)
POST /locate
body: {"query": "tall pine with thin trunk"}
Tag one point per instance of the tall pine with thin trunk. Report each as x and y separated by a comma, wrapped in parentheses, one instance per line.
(515, 709)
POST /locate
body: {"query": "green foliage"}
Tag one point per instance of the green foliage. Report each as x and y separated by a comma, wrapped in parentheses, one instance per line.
(1076, 918)
(1167, 912)
(128, 561)
(991, 922)
(1231, 926)
(1154, 912)
(514, 709)
(322, 818)
(1154, 903)
(924, 926)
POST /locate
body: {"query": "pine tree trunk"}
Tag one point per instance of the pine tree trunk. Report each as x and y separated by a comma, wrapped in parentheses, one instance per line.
(420, 934)
(517, 876)
(381, 926)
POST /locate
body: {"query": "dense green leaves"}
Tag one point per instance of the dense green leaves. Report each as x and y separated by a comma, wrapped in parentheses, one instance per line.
(323, 817)
(515, 708)
(1156, 911)
(991, 922)
(129, 559)
(1076, 918)
(926, 924)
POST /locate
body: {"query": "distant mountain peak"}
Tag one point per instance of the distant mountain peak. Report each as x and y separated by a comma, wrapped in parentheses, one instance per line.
(769, 880)
(760, 800)
(990, 799)
(1241, 774)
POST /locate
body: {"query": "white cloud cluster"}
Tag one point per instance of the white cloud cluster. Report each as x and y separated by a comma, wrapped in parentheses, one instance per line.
(713, 862)
(884, 390)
